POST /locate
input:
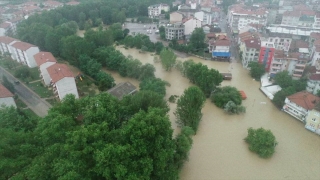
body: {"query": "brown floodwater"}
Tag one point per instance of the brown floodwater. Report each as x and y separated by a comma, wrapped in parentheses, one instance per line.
(218, 150)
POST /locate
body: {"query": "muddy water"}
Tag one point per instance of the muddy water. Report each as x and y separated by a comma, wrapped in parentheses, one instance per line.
(219, 151)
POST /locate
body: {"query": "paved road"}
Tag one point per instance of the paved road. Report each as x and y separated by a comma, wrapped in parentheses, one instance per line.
(34, 102)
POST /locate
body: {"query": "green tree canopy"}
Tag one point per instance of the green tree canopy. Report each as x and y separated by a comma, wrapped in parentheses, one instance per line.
(168, 59)
(154, 84)
(197, 40)
(223, 95)
(261, 141)
(256, 70)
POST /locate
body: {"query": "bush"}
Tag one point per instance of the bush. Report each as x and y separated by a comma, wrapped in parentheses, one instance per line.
(22, 72)
(173, 98)
(225, 94)
(261, 141)
(232, 108)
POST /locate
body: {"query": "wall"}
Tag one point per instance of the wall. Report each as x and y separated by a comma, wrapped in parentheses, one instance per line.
(175, 17)
(66, 86)
(30, 53)
(8, 101)
(313, 121)
(44, 72)
(190, 25)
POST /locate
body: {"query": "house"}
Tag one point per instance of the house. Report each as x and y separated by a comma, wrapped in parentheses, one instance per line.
(62, 80)
(44, 60)
(5, 44)
(154, 11)
(204, 16)
(175, 31)
(266, 54)
(220, 48)
(4, 28)
(6, 97)
(299, 104)
(23, 53)
(313, 84)
(251, 51)
(122, 89)
(313, 120)
(190, 25)
(176, 17)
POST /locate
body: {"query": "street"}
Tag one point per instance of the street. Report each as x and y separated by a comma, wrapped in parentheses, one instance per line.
(32, 100)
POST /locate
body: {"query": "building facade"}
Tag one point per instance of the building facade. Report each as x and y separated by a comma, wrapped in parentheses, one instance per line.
(175, 31)
(266, 55)
(313, 120)
(154, 11)
(6, 97)
(205, 17)
(6, 44)
(23, 53)
(190, 25)
(250, 52)
(44, 60)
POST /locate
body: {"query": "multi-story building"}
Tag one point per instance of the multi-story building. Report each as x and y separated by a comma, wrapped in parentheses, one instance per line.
(176, 17)
(6, 97)
(62, 80)
(239, 17)
(220, 48)
(23, 53)
(204, 16)
(313, 84)
(175, 31)
(45, 60)
(5, 44)
(299, 104)
(280, 41)
(154, 11)
(250, 52)
(266, 54)
(190, 25)
(4, 28)
(313, 120)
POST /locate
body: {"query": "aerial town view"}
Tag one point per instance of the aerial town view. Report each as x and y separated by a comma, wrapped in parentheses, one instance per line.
(160, 89)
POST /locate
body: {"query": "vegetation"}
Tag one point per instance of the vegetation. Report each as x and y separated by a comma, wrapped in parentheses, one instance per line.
(256, 70)
(223, 95)
(206, 79)
(173, 98)
(233, 108)
(94, 138)
(289, 87)
(189, 107)
(154, 84)
(168, 59)
(261, 141)
(227, 3)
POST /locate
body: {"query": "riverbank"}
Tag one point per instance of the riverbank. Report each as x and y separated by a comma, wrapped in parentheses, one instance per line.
(219, 151)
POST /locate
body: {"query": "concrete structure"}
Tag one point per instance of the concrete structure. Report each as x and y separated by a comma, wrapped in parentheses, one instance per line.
(313, 120)
(280, 41)
(266, 54)
(220, 48)
(44, 60)
(23, 53)
(299, 104)
(6, 97)
(204, 16)
(154, 11)
(122, 90)
(191, 24)
(6, 44)
(175, 31)
(62, 80)
(176, 17)
(251, 51)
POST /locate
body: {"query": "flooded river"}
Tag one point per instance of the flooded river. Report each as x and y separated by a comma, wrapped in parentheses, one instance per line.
(219, 151)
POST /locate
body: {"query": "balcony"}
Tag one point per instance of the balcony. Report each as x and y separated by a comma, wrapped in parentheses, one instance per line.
(297, 75)
(298, 70)
(301, 65)
(276, 67)
(277, 62)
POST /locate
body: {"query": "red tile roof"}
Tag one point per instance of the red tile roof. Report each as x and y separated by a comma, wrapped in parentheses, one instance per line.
(291, 13)
(5, 25)
(298, 44)
(58, 72)
(315, 77)
(43, 57)
(4, 92)
(22, 46)
(211, 35)
(304, 99)
(7, 40)
(253, 43)
(315, 35)
(222, 42)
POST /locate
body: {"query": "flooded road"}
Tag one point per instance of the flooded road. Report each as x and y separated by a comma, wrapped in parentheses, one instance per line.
(219, 151)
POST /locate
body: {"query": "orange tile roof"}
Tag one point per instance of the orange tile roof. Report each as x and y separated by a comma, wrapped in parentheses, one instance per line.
(59, 71)
(43, 57)
(22, 46)
(222, 42)
(7, 39)
(4, 92)
(253, 43)
(304, 99)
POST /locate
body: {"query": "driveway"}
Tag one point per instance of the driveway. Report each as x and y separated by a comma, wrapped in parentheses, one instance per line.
(33, 101)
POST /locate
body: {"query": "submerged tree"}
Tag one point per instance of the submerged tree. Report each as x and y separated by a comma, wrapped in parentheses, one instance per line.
(168, 59)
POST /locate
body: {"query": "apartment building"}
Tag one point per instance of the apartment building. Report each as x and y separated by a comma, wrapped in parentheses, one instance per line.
(204, 16)
(190, 25)
(240, 16)
(266, 54)
(62, 80)
(313, 84)
(45, 60)
(154, 11)
(175, 31)
(6, 44)
(250, 52)
(6, 97)
(23, 53)
(299, 104)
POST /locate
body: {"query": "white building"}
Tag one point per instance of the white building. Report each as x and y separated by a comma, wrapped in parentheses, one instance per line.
(204, 17)
(154, 11)
(45, 60)
(176, 17)
(190, 25)
(62, 80)
(6, 97)
(4, 27)
(6, 44)
(175, 31)
(23, 52)
(313, 84)
(280, 41)
(299, 104)
(250, 51)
